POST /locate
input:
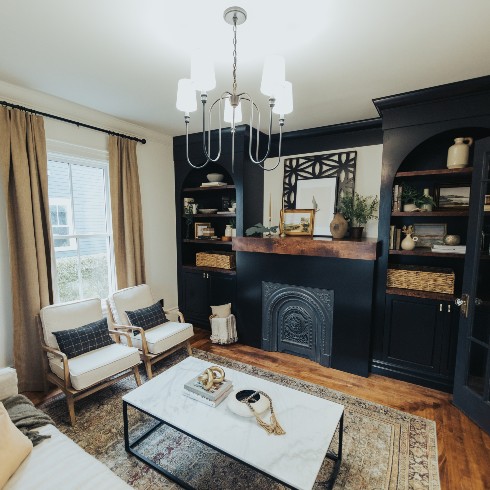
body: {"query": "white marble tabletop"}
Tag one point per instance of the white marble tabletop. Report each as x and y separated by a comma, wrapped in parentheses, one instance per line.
(294, 458)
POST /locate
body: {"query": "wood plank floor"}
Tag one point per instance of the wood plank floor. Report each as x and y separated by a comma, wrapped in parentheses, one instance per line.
(464, 449)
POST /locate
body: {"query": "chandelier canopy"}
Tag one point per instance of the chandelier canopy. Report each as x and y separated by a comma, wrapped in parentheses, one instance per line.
(229, 104)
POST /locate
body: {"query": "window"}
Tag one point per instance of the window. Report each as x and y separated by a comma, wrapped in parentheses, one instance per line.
(79, 208)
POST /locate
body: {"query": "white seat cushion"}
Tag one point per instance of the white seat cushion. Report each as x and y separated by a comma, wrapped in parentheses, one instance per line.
(164, 337)
(97, 365)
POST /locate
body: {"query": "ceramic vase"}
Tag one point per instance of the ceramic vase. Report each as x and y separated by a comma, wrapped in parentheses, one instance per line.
(409, 242)
(407, 208)
(457, 155)
(338, 226)
(228, 230)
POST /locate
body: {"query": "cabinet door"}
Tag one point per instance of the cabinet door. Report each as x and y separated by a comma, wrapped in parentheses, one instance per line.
(222, 289)
(196, 303)
(413, 333)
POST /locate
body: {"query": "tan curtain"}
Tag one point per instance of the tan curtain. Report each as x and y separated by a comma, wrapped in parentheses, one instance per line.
(24, 171)
(127, 220)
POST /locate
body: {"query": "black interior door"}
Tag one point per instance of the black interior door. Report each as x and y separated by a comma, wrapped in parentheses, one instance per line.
(472, 375)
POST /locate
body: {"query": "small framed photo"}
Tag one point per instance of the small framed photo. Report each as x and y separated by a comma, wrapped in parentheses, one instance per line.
(429, 234)
(452, 195)
(198, 227)
(296, 222)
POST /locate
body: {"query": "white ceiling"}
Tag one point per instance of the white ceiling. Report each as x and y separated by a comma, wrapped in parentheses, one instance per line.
(124, 57)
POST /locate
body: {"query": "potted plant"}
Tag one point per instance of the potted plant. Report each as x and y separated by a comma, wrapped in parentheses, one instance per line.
(358, 210)
(425, 201)
(410, 198)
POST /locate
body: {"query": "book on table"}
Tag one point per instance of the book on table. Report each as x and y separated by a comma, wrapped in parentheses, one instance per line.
(207, 401)
(215, 392)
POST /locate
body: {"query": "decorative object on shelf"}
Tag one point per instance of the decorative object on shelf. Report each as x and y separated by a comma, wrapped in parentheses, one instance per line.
(426, 202)
(233, 232)
(452, 249)
(213, 375)
(486, 205)
(397, 197)
(338, 226)
(436, 280)
(321, 195)
(273, 85)
(256, 407)
(341, 166)
(219, 260)
(457, 155)
(199, 227)
(452, 240)
(358, 210)
(453, 195)
(228, 231)
(409, 242)
(213, 184)
(409, 196)
(297, 222)
(188, 202)
(215, 177)
(194, 208)
(259, 230)
(430, 233)
(208, 232)
(189, 219)
(208, 211)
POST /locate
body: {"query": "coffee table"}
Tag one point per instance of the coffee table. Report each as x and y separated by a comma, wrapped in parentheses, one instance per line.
(293, 459)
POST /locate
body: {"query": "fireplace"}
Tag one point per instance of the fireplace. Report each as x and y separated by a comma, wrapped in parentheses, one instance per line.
(297, 320)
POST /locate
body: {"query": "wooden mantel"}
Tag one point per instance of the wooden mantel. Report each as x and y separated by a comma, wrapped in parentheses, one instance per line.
(365, 249)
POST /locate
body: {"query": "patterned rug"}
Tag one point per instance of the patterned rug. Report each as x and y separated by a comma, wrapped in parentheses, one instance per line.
(383, 448)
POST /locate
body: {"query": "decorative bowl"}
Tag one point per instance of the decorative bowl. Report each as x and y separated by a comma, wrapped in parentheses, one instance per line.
(215, 177)
(231, 210)
(452, 239)
(208, 211)
(259, 402)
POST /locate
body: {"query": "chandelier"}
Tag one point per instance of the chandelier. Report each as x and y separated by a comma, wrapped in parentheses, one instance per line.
(229, 104)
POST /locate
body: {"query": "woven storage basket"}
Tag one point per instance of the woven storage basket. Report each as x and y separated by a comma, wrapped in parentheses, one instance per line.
(221, 260)
(421, 278)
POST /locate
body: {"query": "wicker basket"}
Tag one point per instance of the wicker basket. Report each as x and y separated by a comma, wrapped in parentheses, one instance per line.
(421, 278)
(221, 260)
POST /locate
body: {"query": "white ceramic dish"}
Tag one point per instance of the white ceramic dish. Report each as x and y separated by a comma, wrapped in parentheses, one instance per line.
(215, 177)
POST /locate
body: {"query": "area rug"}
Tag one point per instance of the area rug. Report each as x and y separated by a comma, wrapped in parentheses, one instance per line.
(383, 448)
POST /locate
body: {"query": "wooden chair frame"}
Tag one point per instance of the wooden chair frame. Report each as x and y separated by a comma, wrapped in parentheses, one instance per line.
(73, 395)
(148, 358)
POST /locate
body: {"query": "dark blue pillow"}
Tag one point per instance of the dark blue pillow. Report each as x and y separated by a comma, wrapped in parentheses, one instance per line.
(148, 317)
(77, 341)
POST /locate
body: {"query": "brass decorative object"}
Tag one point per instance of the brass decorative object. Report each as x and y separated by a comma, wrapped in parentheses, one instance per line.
(273, 427)
(211, 376)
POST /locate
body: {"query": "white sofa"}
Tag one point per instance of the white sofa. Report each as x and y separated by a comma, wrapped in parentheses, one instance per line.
(56, 462)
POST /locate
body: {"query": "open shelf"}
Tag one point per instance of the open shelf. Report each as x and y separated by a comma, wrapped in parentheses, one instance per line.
(207, 189)
(446, 172)
(426, 252)
(421, 294)
(207, 242)
(428, 214)
(213, 215)
(194, 268)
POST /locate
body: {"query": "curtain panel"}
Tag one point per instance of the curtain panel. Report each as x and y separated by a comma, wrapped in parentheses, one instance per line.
(24, 172)
(127, 219)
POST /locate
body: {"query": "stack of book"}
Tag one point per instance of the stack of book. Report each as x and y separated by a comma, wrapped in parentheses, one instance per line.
(395, 237)
(213, 184)
(397, 198)
(449, 249)
(213, 397)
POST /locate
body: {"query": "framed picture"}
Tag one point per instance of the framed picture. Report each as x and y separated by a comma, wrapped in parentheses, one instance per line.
(429, 234)
(198, 227)
(452, 195)
(296, 222)
(321, 195)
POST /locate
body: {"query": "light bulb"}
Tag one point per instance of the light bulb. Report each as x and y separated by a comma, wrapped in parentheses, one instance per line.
(273, 76)
(202, 71)
(284, 99)
(228, 115)
(186, 96)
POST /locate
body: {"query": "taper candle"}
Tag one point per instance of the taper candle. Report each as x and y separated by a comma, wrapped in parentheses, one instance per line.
(270, 207)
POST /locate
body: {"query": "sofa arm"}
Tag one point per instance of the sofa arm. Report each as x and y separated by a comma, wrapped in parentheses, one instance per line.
(131, 328)
(66, 370)
(175, 311)
(8, 383)
(118, 333)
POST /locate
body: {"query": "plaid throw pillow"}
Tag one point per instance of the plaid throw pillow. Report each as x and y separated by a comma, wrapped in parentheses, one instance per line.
(148, 317)
(78, 341)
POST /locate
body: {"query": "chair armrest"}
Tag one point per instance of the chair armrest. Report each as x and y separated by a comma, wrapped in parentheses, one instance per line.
(118, 333)
(132, 328)
(176, 312)
(64, 358)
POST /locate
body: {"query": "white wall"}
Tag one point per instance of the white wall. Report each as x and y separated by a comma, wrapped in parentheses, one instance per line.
(368, 181)
(156, 170)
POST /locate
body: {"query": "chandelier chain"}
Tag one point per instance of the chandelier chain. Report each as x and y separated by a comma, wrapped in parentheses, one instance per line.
(234, 54)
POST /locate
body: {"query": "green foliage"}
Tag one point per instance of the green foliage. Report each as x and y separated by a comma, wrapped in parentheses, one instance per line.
(93, 272)
(357, 209)
(258, 229)
(410, 195)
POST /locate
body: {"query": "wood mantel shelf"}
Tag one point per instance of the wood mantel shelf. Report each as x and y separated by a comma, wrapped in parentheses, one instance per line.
(365, 249)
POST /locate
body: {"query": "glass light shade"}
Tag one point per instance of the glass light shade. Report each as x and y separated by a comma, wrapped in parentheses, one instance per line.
(284, 99)
(228, 115)
(274, 75)
(186, 96)
(202, 71)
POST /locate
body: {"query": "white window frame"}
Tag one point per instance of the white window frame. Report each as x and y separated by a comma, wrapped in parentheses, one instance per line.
(72, 155)
(63, 201)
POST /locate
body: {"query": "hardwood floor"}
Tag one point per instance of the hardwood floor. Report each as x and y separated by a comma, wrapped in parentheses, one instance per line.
(464, 449)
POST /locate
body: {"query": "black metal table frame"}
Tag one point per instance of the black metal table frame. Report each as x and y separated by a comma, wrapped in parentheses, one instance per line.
(130, 448)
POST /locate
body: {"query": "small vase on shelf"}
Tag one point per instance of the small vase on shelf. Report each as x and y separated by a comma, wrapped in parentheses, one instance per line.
(457, 155)
(409, 242)
(338, 226)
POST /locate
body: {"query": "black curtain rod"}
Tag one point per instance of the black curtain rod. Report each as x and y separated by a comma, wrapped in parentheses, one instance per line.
(70, 121)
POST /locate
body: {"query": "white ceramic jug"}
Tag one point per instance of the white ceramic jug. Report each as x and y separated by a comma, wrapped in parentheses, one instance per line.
(457, 155)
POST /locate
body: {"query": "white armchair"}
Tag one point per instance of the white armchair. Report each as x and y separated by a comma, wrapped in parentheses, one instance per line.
(87, 373)
(154, 343)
